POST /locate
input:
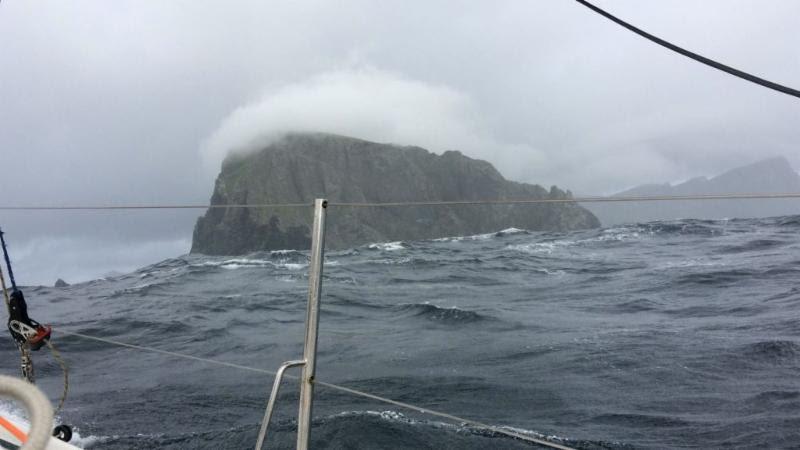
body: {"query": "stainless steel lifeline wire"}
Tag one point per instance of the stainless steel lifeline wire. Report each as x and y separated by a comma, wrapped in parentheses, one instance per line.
(596, 199)
(787, 195)
(143, 206)
(539, 440)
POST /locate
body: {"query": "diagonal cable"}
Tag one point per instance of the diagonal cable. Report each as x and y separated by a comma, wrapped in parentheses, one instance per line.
(689, 54)
(506, 431)
(520, 201)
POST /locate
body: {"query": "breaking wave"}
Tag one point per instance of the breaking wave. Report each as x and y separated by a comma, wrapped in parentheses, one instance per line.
(447, 315)
(526, 328)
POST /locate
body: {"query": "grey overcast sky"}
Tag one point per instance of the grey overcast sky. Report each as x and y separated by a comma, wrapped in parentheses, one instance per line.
(138, 101)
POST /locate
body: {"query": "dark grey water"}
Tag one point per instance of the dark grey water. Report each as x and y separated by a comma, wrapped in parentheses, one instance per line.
(662, 335)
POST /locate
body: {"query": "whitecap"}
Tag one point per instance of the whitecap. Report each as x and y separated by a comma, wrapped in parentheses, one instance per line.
(395, 416)
(238, 263)
(246, 262)
(540, 247)
(398, 261)
(387, 246)
(512, 230)
(474, 237)
(88, 441)
(283, 252)
(548, 247)
(482, 236)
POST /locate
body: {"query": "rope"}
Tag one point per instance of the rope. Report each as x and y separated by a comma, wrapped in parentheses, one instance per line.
(745, 196)
(541, 440)
(5, 291)
(64, 369)
(699, 58)
(8, 262)
(53, 351)
(169, 353)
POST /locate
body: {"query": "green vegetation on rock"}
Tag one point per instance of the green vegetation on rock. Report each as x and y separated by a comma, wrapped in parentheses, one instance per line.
(301, 167)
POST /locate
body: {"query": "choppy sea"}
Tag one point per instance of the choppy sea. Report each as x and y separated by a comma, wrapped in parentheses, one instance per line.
(680, 334)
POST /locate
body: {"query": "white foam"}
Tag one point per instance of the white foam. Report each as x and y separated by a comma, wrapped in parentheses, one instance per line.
(536, 434)
(512, 230)
(388, 246)
(481, 237)
(541, 247)
(475, 237)
(394, 416)
(437, 307)
(87, 441)
(245, 262)
(238, 263)
(13, 411)
(548, 247)
(235, 262)
(616, 234)
(398, 261)
(19, 416)
(282, 252)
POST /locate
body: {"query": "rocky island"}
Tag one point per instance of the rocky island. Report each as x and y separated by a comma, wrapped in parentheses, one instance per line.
(302, 166)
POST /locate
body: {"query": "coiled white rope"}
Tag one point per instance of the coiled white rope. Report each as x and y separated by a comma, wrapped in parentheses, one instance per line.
(39, 410)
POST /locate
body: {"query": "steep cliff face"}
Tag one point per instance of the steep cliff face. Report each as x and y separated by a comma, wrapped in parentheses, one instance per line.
(301, 167)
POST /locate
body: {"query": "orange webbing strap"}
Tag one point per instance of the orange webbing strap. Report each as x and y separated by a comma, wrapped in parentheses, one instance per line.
(13, 429)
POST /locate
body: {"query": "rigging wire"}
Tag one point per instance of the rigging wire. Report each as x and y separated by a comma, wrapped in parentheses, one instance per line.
(660, 198)
(579, 200)
(699, 58)
(539, 439)
(134, 207)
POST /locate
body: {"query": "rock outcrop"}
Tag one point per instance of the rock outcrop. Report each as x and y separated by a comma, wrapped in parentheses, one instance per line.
(301, 167)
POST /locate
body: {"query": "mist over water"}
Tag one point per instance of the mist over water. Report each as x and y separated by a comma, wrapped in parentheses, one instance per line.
(679, 334)
(80, 246)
